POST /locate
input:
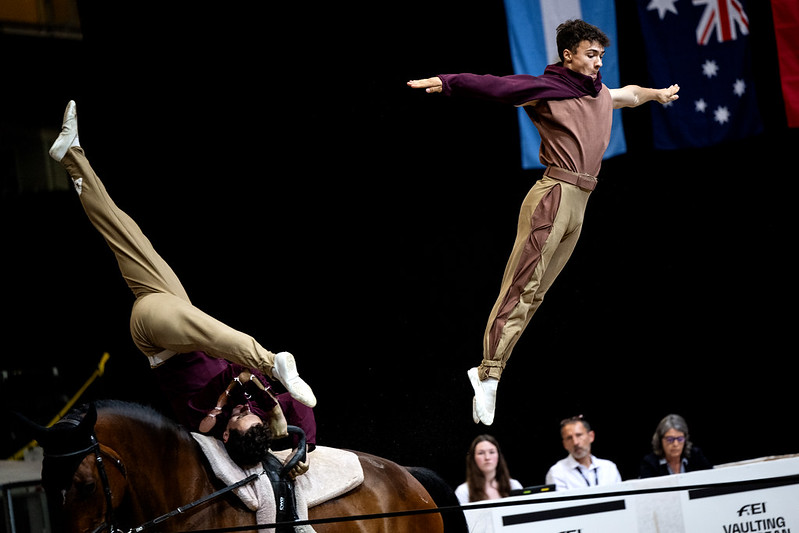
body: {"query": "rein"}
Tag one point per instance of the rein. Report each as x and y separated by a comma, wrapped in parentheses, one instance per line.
(195, 503)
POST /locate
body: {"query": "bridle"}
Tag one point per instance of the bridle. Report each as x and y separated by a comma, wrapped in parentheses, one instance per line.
(109, 524)
(97, 448)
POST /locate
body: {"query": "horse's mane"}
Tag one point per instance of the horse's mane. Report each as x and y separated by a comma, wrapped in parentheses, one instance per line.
(131, 409)
(143, 414)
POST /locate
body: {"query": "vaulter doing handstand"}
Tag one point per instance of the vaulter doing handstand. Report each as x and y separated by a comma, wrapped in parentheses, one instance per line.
(173, 333)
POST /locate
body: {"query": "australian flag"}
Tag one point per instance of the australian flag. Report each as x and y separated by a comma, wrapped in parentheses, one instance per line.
(703, 46)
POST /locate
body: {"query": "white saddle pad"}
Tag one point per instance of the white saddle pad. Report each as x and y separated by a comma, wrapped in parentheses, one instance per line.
(331, 473)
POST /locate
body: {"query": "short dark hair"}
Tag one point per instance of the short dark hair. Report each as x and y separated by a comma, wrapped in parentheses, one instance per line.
(251, 447)
(572, 32)
(573, 420)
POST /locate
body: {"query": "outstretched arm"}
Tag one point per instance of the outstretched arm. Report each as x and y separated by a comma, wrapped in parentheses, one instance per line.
(633, 95)
(431, 85)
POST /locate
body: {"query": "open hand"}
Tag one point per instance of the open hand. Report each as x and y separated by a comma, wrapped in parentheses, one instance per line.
(669, 94)
(430, 85)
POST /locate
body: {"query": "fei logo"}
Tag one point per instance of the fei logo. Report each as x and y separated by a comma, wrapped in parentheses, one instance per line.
(752, 519)
(752, 509)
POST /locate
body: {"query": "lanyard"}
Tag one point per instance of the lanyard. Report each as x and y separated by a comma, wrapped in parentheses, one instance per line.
(596, 476)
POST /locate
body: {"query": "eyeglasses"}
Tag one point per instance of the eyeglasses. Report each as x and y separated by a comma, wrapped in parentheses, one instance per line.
(672, 440)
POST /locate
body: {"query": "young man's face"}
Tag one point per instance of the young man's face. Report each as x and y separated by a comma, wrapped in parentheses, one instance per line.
(586, 59)
(241, 419)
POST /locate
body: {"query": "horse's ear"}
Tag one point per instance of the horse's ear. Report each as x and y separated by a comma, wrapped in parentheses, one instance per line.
(89, 419)
(35, 429)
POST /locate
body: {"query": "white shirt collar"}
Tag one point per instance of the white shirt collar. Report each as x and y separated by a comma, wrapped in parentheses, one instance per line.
(573, 463)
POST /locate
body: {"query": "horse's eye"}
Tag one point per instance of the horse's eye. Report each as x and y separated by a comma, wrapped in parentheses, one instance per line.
(85, 489)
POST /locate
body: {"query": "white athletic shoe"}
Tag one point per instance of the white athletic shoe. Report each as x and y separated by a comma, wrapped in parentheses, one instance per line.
(69, 133)
(485, 397)
(285, 370)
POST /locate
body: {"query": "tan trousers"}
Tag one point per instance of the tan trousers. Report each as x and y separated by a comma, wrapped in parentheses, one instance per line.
(550, 222)
(163, 321)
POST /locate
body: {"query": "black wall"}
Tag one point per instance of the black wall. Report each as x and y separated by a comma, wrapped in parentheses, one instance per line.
(305, 195)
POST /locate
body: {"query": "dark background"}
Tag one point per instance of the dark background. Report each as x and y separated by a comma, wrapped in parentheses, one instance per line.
(305, 195)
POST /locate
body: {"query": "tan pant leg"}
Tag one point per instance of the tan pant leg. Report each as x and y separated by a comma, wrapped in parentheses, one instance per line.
(162, 321)
(549, 226)
(142, 268)
(163, 318)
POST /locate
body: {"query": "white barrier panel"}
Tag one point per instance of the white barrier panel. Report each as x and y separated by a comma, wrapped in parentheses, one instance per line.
(756, 497)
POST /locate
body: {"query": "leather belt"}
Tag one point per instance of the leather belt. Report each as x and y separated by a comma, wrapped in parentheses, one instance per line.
(580, 179)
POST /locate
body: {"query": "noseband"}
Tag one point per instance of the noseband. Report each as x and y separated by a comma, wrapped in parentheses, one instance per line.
(96, 447)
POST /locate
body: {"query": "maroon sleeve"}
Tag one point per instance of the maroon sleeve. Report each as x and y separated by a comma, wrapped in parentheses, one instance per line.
(555, 83)
(516, 89)
(503, 89)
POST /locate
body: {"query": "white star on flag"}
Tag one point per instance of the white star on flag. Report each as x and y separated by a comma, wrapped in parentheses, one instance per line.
(662, 6)
(710, 68)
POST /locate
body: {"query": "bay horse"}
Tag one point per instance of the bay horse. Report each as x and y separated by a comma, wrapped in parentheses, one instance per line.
(120, 465)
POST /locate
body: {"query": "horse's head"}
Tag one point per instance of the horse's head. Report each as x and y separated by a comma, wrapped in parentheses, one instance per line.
(81, 492)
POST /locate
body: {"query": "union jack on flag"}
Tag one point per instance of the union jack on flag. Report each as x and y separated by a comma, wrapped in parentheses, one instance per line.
(703, 46)
(724, 18)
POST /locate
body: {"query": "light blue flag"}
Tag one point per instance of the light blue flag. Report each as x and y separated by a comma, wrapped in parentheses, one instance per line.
(531, 31)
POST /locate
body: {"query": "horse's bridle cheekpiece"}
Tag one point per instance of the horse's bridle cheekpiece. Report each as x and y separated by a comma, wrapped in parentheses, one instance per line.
(109, 507)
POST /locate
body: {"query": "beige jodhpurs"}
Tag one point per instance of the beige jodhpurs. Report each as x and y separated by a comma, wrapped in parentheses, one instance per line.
(550, 221)
(163, 321)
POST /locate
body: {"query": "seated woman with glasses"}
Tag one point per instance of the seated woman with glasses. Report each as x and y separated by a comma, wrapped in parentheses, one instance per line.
(672, 451)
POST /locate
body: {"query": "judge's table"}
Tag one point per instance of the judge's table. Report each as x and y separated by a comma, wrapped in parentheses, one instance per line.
(755, 496)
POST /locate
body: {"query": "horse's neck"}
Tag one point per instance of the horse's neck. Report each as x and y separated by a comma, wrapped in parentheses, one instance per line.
(160, 463)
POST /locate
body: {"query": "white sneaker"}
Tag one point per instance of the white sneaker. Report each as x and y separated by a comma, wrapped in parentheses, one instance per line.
(485, 397)
(285, 370)
(69, 133)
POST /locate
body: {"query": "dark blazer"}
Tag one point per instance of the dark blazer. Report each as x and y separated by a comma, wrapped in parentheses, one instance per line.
(651, 467)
